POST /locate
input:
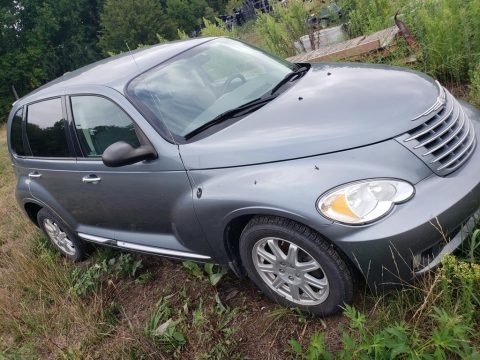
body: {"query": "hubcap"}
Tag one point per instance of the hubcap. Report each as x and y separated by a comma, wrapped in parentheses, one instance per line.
(58, 237)
(290, 271)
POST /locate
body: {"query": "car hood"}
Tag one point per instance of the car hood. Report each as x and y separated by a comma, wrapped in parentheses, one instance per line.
(333, 107)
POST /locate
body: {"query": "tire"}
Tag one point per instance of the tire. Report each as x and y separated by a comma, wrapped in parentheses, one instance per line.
(322, 290)
(61, 236)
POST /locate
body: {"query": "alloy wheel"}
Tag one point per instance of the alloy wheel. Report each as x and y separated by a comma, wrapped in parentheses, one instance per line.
(290, 271)
(59, 237)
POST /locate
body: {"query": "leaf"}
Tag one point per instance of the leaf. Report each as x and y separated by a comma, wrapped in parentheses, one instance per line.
(162, 329)
(216, 277)
(193, 269)
(221, 307)
(296, 347)
(209, 268)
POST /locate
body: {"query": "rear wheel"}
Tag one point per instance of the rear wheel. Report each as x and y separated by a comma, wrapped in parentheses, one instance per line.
(61, 237)
(295, 266)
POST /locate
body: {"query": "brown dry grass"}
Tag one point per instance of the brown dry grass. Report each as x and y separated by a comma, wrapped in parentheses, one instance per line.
(39, 316)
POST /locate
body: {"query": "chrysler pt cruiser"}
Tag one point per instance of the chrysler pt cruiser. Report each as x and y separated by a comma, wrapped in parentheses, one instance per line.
(300, 176)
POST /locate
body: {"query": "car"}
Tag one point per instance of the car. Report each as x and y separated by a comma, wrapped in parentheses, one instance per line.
(307, 178)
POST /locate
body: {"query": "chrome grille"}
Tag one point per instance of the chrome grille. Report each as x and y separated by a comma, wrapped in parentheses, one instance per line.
(445, 139)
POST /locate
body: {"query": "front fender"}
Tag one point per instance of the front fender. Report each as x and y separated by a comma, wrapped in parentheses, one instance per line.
(291, 188)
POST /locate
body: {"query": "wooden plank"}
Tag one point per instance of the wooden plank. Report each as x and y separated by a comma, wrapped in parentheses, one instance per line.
(350, 48)
(349, 52)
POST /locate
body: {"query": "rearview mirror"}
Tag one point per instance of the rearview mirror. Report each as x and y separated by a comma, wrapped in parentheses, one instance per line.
(122, 153)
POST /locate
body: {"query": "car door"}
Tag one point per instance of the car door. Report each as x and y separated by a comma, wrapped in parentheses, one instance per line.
(145, 206)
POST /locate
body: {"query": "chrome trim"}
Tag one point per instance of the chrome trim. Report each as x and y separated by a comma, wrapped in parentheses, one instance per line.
(34, 174)
(97, 239)
(459, 155)
(441, 100)
(439, 122)
(161, 251)
(450, 138)
(455, 146)
(91, 180)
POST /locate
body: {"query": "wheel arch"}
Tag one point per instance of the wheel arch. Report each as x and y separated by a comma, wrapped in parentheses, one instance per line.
(233, 231)
(32, 209)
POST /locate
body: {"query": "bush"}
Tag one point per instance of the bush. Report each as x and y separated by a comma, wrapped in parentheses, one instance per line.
(474, 94)
(212, 29)
(446, 30)
(281, 28)
(433, 320)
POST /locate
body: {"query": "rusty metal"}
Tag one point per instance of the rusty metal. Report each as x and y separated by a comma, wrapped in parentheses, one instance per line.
(406, 33)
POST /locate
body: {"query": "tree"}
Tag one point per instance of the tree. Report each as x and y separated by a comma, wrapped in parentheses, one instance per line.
(187, 14)
(41, 40)
(136, 22)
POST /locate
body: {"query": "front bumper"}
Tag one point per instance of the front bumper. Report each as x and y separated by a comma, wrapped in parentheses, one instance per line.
(417, 234)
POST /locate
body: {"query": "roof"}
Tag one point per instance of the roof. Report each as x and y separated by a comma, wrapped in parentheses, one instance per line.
(116, 71)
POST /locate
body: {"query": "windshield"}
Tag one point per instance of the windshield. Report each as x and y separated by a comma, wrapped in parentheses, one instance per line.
(206, 81)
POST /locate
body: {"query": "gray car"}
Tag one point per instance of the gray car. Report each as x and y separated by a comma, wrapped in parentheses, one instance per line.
(301, 176)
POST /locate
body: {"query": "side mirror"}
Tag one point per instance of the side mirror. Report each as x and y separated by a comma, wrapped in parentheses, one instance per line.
(122, 153)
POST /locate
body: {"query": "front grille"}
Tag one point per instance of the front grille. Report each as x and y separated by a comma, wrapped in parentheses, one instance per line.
(445, 139)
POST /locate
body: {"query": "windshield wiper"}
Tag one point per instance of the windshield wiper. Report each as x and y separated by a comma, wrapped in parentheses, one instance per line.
(229, 114)
(298, 72)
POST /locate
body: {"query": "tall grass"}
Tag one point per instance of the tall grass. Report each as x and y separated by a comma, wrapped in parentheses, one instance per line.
(38, 313)
(280, 29)
(446, 30)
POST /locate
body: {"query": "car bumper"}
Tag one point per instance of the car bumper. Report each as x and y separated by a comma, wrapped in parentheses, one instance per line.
(417, 234)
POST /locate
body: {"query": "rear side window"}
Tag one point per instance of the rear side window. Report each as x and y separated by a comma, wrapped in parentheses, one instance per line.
(99, 123)
(16, 139)
(46, 129)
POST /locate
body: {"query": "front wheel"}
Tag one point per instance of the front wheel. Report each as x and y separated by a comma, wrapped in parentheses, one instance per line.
(295, 266)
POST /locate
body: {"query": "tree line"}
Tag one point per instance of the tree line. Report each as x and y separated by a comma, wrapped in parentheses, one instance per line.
(42, 39)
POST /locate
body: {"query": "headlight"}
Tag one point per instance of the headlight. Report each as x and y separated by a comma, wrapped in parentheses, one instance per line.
(364, 201)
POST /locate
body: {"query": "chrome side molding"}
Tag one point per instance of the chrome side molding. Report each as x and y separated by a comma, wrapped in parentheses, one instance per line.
(143, 248)
(97, 239)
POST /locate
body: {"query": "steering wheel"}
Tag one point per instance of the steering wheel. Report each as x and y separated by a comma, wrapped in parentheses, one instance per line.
(228, 82)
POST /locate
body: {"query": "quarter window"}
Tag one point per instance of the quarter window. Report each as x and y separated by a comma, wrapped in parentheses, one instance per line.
(46, 129)
(16, 139)
(99, 123)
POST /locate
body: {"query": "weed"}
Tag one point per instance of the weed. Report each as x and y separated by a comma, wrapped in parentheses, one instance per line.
(474, 94)
(111, 314)
(193, 269)
(144, 278)
(163, 330)
(125, 265)
(86, 281)
(280, 29)
(215, 29)
(214, 272)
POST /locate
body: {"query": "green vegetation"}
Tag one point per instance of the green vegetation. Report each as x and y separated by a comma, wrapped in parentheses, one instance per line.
(213, 272)
(437, 319)
(86, 281)
(121, 24)
(447, 31)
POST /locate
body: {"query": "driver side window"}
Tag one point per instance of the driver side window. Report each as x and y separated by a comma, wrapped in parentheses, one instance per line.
(99, 123)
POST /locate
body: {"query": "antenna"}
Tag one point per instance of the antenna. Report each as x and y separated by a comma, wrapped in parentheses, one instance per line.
(131, 54)
(14, 91)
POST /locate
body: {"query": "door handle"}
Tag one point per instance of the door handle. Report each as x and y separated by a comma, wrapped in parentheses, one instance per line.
(91, 179)
(34, 174)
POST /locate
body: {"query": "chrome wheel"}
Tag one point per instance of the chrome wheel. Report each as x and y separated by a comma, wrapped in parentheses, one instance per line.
(290, 271)
(59, 237)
